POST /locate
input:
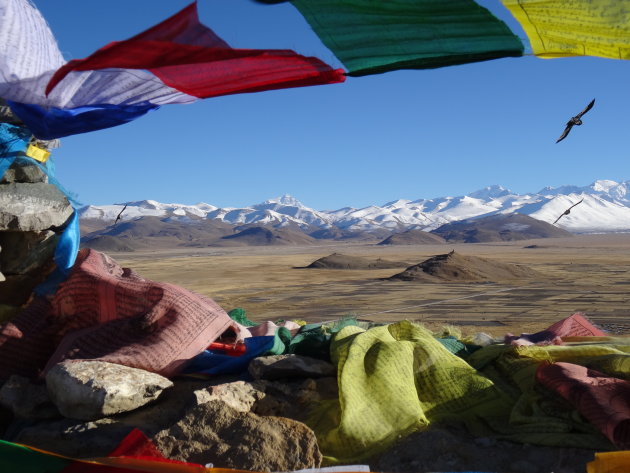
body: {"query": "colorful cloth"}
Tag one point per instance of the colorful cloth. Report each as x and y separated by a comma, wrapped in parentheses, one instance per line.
(559, 28)
(394, 380)
(177, 61)
(108, 313)
(372, 37)
(575, 325)
(603, 400)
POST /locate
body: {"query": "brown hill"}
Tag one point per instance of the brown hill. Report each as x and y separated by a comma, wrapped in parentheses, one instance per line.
(262, 236)
(413, 237)
(339, 261)
(455, 267)
(108, 243)
(499, 227)
(157, 232)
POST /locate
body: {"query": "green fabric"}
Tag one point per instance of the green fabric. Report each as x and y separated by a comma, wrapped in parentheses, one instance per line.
(457, 347)
(314, 339)
(239, 315)
(538, 416)
(20, 459)
(281, 341)
(393, 380)
(375, 36)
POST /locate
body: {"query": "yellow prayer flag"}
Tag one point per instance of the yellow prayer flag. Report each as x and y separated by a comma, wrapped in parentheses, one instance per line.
(37, 153)
(610, 462)
(559, 28)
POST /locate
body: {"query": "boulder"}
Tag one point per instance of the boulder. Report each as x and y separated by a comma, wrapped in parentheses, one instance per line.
(89, 390)
(25, 173)
(33, 207)
(289, 366)
(216, 433)
(27, 399)
(27, 252)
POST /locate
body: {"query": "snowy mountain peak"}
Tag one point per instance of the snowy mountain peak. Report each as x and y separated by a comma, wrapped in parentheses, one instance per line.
(603, 185)
(286, 199)
(490, 192)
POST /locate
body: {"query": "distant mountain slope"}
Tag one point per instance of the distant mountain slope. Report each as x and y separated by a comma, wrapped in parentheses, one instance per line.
(605, 207)
(499, 227)
(413, 237)
(261, 236)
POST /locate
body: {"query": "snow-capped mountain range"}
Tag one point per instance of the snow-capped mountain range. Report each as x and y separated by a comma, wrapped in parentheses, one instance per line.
(604, 207)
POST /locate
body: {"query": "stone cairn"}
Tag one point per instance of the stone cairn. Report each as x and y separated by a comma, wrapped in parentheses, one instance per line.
(33, 213)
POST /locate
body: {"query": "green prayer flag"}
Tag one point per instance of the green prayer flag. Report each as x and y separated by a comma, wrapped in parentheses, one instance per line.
(375, 36)
(18, 458)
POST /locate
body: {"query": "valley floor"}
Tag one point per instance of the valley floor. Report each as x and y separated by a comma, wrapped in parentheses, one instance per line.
(586, 273)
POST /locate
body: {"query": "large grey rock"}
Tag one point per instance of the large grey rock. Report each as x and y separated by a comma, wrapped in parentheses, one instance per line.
(26, 173)
(26, 251)
(27, 399)
(216, 433)
(32, 207)
(89, 390)
(288, 366)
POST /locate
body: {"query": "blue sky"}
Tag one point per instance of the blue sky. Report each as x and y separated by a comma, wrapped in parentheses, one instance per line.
(370, 140)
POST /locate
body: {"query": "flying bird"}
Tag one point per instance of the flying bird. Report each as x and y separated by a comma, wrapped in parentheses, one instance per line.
(120, 215)
(575, 121)
(567, 211)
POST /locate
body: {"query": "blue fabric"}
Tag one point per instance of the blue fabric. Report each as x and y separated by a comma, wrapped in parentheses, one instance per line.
(213, 363)
(51, 123)
(68, 245)
(65, 256)
(13, 143)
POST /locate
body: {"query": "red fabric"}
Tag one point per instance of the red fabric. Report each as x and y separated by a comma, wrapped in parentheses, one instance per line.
(574, 326)
(109, 313)
(601, 399)
(189, 57)
(135, 445)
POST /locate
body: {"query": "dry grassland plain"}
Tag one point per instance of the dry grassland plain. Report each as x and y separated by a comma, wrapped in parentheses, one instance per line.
(586, 273)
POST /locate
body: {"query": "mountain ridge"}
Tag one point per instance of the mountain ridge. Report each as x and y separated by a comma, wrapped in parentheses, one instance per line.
(604, 207)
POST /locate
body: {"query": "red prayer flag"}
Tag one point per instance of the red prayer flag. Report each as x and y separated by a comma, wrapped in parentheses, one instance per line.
(188, 56)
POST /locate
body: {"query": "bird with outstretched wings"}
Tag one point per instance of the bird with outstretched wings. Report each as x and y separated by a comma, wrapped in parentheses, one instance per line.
(576, 120)
(567, 211)
(120, 215)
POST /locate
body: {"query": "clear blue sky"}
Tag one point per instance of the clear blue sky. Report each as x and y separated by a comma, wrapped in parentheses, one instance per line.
(370, 140)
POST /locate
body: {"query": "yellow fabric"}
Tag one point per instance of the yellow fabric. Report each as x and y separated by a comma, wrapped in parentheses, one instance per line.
(393, 380)
(37, 153)
(558, 28)
(610, 462)
(537, 417)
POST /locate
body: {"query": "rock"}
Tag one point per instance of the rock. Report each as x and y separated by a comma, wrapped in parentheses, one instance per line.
(239, 395)
(32, 207)
(287, 366)
(294, 399)
(27, 399)
(24, 173)
(89, 390)
(26, 251)
(218, 434)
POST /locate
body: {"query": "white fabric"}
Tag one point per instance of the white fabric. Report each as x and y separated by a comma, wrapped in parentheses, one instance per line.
(29, 56)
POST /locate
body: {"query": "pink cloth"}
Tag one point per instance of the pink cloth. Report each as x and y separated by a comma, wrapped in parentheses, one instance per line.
(109, 313)
(601, 399)
(574, 326)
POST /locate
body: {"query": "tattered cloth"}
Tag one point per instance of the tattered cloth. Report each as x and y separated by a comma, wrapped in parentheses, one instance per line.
(109, 313)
